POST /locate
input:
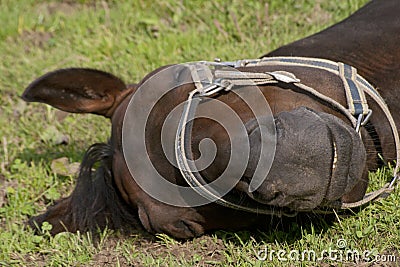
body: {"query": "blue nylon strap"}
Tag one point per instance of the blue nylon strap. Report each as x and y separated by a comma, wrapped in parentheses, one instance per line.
(311, 62)
(355, 96)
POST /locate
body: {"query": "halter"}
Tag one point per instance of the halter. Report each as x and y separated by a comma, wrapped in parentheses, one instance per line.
(210, 78)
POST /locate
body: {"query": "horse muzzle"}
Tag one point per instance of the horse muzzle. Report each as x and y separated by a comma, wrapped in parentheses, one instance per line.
(318, 159)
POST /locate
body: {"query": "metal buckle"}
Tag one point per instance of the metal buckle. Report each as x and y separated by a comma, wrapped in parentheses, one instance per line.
(216, 86)
(209, 90)
(361, 121)
(232, 64)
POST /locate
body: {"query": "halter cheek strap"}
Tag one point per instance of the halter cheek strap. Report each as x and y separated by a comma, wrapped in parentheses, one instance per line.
(213, 77)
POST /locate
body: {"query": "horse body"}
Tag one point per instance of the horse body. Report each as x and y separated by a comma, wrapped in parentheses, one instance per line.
(301, 176)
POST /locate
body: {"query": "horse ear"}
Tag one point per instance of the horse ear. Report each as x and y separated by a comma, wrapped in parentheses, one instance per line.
(78, 90)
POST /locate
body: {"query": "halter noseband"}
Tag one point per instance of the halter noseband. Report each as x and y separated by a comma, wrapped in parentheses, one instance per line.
(210, 78)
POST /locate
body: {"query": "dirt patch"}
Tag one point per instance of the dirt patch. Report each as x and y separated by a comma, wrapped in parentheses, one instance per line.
(69, 7)
(5, 187)
(35, 39)
(65, 7)
(209, 249)
(320, 16)
(108, 256)
(202, 251)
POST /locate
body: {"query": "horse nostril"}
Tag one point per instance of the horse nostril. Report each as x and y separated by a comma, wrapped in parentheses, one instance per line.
(268, 198)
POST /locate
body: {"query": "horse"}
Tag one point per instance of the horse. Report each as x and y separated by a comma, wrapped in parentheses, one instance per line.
(320, 159)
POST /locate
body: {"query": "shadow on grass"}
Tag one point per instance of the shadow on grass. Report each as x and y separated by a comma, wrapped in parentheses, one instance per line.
(272, 229)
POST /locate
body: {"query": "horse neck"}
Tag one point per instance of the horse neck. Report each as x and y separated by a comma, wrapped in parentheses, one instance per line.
(367, 40)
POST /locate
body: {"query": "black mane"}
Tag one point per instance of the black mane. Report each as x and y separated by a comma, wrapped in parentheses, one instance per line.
(95, 201)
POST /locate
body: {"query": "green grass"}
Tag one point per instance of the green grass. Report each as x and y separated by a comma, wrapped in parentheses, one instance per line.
(129, 39)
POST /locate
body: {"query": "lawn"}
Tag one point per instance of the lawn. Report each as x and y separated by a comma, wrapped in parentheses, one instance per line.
(41, 147)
